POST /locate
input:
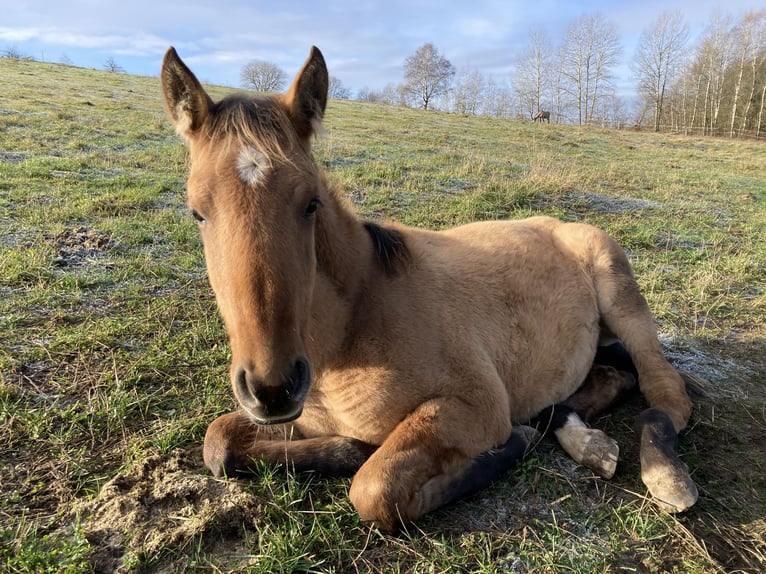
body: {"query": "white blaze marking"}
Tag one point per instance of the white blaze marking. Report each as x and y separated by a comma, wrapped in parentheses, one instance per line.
(252, 165)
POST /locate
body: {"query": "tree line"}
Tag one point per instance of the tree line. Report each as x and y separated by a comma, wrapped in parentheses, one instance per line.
(714, 86)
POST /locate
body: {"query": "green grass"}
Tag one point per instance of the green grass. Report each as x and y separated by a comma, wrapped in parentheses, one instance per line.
(112, 353)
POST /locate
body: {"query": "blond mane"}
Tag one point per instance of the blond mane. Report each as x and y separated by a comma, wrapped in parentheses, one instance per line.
(254, 120)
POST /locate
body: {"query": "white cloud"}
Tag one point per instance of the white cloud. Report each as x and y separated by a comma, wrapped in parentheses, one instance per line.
(129, 44)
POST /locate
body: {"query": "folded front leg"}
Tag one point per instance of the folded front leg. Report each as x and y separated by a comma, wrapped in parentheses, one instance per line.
(233, 444)
(431, 458)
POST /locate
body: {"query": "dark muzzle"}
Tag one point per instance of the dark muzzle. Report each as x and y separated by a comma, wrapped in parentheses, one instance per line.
(270, 403)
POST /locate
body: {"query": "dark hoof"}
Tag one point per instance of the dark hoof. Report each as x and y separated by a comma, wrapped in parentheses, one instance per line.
(662, 471)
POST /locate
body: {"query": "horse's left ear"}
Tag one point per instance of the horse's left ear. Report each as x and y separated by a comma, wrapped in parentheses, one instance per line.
(306, 99)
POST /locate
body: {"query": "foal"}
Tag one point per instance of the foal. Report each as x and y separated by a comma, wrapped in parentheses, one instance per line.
(399, 355)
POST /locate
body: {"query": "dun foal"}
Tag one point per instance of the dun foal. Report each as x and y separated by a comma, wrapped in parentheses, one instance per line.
(401, 356)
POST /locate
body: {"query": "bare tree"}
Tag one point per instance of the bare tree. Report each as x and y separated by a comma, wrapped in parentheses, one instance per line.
(589, 54)
(657, 58)
(499, 102)
(427, 74)
(469, 92)
(714, 55)
(337, 90)
(262, 76)
(750, 45)
(720, 88)
(111, 65)
(533, 81)
(12, 53)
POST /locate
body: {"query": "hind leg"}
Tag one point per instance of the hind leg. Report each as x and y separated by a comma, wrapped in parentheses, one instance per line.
(590, 447)
(625, 314)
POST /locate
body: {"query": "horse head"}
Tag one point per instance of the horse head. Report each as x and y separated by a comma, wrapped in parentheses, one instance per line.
(255, 191)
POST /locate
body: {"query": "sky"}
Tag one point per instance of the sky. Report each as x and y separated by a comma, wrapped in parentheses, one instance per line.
(365, 42)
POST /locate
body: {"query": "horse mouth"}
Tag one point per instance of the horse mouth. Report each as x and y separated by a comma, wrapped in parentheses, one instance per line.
(262, 415)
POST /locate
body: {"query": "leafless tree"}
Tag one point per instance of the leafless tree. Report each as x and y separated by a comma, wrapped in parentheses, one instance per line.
(12, 53)
(392, 95)
(427, 74)
(499, 100)
(337, 90)
(533, 82)
(111, 65)
(262, 76)
(590, 52)
(469, 92)
(658, 56)
(750, 47)
(714, 56)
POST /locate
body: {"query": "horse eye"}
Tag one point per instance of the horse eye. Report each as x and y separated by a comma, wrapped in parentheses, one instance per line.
(196, 215)
(312, 207)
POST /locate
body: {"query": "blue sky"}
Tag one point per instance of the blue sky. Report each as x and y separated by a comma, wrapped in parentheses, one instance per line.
(365, 42)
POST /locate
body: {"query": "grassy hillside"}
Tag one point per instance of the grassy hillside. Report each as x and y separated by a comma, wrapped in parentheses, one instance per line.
(113, 359)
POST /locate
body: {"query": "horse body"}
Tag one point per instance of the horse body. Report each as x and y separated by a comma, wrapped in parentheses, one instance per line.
(399, 355)
(542, 116)
(416, 336)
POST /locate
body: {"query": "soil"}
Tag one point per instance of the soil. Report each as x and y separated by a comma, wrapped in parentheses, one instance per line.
(164, 502)
(74, 247)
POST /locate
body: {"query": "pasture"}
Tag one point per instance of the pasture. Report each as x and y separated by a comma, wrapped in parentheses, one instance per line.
(113, 359)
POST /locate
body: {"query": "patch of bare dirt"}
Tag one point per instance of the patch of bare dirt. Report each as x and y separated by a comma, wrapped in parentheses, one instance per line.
(160, 506)
(76, 246)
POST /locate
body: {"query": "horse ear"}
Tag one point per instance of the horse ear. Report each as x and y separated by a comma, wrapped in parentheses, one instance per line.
(306, 99)
(186, 100)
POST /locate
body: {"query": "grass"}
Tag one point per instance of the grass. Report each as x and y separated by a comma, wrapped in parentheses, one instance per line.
(112, 353)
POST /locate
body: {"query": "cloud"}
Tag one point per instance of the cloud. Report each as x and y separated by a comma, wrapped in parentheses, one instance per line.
(139, 44)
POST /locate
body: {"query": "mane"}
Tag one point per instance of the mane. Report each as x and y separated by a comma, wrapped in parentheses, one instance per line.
(391, 249)
(256, 120)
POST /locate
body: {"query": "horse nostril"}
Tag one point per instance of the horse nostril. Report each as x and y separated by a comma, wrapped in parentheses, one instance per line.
(245, 394)
(300, 378)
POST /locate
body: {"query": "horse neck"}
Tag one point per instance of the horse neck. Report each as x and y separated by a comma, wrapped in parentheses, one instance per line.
(344, 258)
(342, 246)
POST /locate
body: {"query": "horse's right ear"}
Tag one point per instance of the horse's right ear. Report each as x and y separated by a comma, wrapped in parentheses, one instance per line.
(186, 100)
(306, 99)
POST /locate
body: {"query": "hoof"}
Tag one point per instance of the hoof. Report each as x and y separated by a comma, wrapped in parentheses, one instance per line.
(600, 453)
(662, 471)
(592, 448)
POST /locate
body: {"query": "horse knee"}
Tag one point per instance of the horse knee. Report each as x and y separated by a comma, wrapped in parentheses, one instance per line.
(380, 502)
(222, 447)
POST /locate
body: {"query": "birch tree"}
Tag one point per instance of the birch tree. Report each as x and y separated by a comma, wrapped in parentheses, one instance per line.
(588, 56)
(657, 59)
(750, 47)
(714, 55)
(469, 92)
(427, 75)
(533, 82)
